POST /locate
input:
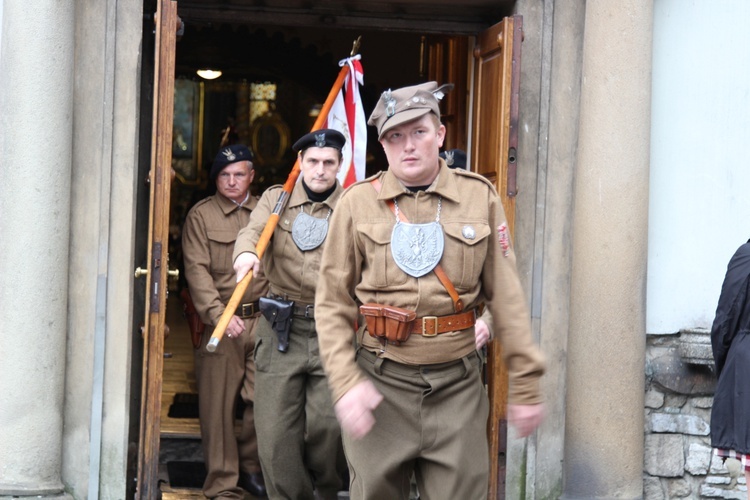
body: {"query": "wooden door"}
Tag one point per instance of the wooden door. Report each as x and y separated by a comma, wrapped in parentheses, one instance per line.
(446, 59)
(497, 66)
(160, 178)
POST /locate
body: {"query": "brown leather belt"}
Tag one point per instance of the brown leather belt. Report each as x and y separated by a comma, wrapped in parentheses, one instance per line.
(248, 310)
(429, 326)
(304, 310)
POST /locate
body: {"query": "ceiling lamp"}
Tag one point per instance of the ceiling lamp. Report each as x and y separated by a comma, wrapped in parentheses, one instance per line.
(209, 74)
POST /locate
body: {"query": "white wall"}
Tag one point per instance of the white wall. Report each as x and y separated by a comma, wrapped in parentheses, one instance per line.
(699, 203)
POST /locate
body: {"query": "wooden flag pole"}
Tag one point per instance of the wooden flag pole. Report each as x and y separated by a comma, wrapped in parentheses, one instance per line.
(273, 219)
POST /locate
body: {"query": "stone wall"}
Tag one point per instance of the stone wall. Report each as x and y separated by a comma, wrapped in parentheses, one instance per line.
(678, 459)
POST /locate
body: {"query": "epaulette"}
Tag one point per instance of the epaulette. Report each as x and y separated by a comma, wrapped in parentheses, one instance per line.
(201, 202)
(364, 181)
(473, 175)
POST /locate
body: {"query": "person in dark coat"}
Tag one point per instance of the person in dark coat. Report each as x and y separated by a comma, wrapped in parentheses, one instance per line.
(730, 340)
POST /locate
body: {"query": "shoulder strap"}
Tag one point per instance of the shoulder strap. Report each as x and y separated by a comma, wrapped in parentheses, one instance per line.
(458, 304)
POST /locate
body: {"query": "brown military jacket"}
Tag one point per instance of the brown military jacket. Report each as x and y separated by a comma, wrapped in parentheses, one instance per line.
(208, 239)
(358, 268)
(291, 272)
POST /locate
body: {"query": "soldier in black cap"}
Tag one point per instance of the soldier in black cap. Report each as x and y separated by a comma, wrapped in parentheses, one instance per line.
(208, 238)
(299, 439)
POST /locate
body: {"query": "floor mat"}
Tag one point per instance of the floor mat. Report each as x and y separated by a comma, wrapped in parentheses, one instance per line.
(185, 405)
(186, 474)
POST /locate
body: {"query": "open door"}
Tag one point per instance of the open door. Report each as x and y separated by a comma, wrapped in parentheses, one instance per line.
(160, 178)
(493, 146)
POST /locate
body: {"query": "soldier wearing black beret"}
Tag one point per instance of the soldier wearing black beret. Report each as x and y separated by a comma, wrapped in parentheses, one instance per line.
(324, 138)
(208, 238)
(299, 439)
(228, 155)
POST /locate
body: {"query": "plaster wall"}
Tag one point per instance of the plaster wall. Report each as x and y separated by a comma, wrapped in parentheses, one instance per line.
(700, 143)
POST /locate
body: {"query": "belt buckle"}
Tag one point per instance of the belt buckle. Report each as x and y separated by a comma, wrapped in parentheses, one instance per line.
(248, 307)
(309, 313)
(424, 326)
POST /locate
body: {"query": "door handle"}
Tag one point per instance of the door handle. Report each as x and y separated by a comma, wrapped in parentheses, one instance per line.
(144, 272)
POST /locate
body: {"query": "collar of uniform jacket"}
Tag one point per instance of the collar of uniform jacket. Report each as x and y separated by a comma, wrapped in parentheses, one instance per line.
(228, 206)
(444, 185)
(299, 196)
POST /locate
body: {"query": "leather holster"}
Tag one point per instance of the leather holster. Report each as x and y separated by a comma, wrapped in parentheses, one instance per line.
(388, 323)
(278, 312)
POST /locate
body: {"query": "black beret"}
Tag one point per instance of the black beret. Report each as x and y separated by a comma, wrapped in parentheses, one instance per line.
(228, 155)
(454, 158)
(323, 138)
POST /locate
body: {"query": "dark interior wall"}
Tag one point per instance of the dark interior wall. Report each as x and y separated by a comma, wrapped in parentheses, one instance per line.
(303, 62)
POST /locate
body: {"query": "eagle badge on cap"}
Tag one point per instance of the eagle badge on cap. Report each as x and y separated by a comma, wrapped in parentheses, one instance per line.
(229, 154)
(449, 157)
(320, 140)
(390, 103)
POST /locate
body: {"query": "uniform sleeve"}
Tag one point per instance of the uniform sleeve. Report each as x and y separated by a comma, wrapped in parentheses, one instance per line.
(197, 260)
(336, 310)
(249, 235)
(506, 302)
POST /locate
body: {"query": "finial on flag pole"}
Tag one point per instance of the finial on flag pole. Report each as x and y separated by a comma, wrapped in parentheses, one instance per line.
(355, 46)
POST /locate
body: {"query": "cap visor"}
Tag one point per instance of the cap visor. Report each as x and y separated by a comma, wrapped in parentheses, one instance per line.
(402, 117)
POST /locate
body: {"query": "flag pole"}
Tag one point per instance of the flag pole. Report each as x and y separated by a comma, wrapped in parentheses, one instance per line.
(273, 219)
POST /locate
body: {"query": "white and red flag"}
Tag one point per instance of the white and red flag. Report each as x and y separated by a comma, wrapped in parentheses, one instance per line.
(348, 117)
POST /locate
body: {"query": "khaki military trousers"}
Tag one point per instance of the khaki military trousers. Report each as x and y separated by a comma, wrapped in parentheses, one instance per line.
(299, 438)
(432, 422)
(221, 376)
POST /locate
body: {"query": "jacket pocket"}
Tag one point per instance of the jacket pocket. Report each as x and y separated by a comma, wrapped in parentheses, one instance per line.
(221, 245)
(382, 269)
(465, 252)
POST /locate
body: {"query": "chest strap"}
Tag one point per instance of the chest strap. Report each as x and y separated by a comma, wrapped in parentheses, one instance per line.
(458, 304)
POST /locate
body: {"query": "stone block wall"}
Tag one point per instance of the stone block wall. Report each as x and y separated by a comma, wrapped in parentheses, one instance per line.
(678, 459)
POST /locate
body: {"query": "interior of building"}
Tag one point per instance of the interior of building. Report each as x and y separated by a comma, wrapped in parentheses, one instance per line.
(277, 62)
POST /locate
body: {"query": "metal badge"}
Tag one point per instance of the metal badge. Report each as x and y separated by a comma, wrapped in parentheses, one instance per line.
(449, 158)
(309, 232)
(320, 140)
(229, 154)
(417, 248)
(390, 103)
(469, 232)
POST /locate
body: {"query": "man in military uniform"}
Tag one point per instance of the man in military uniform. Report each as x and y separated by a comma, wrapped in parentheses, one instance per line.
(299, 439)
(208, 239)
(419, 247)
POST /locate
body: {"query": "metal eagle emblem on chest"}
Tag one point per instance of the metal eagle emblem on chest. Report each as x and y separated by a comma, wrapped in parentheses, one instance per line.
(309, 232)
(417, 248)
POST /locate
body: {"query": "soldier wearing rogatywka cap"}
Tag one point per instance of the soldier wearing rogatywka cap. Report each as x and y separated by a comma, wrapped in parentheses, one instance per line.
(208, 239)
(299, 439)
(418, 248)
